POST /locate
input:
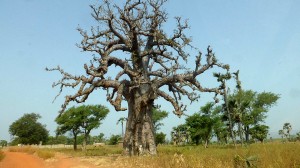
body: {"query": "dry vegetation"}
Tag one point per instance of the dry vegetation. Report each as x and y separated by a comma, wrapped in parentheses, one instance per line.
(274, 154)
(42, 153)
(1, 155)
(262, 155)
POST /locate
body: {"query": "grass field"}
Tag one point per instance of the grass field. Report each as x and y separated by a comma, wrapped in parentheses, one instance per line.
(255, 155)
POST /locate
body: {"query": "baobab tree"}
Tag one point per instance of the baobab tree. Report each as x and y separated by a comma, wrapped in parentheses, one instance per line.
(152, 64)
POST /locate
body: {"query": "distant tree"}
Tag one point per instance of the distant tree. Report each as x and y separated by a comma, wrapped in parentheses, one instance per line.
(160, 138)
(99, 138)
(281, 133)
(27, 130)
(259, 132)
(3, 143)
(223, 78)
(298, 136)
(61, 139)
(180, 134)
(244, 108)
(81, 119)
(114, 139)
(287, 128)
(220, 129)
(122, 120)
(151, 59)
(69, 121)
(201, 125)
(157, 116)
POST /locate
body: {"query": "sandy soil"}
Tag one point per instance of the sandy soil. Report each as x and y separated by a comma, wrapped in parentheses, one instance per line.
(23, 160)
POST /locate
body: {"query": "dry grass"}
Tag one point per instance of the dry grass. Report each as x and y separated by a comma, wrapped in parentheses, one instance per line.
(262, 155)
(23, 149)
(42, 153)
(45, 154)
(1, 155)
(270, 155)
(92, 151)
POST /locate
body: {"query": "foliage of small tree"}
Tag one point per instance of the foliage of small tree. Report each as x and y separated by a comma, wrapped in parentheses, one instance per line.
(81, 119)
(287, 128)
(244, 108)
(180, 135)
(259, 132)
(220, 128)
(60, 139)
(201, 125)
(298, 136)
(3, 143)
(114, 139)
(281, 133)
(157, 117)
(99, 138)
(27, 130)
(131, 37)
(160, 138)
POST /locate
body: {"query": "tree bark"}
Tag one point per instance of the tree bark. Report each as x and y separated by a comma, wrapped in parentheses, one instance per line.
(75, 142)
(247, 134)
(139, 135)
(84, 143)
(241, 133)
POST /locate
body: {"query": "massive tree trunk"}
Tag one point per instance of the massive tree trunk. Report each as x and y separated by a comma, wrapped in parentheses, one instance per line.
(139, 135)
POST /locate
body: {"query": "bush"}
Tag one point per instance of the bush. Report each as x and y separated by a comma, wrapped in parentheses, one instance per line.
(114, 139)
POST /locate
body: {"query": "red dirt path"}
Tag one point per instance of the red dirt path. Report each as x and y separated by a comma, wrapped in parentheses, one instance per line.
(23, 160)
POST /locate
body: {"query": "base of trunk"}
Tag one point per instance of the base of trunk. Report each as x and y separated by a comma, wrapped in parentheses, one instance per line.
(139, 137)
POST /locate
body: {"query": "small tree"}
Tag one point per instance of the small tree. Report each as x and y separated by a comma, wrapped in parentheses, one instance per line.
(99, 138)
(158, 116)
(114, 139)
(201, 125)
(27, 130)
(3, 143)
(180, 134)
(259, 132)
(287, 128)
(160, 138)
(298, 136)
(81, 119)
(281, 133)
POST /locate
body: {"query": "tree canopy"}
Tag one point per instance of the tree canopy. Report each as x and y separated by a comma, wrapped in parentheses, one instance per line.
(27, 130)
(81, 119)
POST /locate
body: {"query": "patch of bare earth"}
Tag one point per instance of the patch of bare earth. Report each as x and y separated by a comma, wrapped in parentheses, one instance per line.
(23, 160)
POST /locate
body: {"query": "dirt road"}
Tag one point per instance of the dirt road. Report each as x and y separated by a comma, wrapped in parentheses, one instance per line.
(23, 160)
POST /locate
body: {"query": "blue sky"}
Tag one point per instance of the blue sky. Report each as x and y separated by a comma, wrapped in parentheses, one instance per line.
(260, 38)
